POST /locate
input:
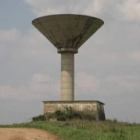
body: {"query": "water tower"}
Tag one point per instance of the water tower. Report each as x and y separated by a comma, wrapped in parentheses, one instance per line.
(68, 33)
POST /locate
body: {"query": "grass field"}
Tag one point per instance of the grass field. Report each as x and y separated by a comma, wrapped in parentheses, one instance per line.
(88, 130)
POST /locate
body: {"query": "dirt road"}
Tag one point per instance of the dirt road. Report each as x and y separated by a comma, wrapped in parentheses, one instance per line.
(26, 134)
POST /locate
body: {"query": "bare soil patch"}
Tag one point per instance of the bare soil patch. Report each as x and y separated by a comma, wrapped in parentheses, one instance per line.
(26, 134)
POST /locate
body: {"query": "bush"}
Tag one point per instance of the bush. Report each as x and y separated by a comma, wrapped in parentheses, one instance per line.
(39, 118)
(72, 114)
(59, 115)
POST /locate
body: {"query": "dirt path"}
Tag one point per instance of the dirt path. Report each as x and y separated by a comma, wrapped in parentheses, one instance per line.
(26, 134)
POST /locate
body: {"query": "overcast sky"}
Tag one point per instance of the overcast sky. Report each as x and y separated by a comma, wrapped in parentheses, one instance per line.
(107, 67)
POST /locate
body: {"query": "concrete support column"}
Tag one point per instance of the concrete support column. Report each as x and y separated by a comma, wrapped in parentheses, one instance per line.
(67, 76)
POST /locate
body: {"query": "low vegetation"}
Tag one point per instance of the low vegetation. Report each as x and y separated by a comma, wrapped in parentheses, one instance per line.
(87, 130)
(68, 114)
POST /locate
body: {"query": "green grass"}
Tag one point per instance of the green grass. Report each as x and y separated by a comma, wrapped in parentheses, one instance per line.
(88, 130)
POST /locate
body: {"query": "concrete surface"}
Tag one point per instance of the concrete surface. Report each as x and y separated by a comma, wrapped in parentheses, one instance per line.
(67, 76)
(87, 107)
(67, 32)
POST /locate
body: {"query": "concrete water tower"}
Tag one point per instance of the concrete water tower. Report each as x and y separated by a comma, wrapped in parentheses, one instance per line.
(67, 33)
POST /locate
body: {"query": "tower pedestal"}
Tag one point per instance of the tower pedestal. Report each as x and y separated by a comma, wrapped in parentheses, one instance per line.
(95, 108)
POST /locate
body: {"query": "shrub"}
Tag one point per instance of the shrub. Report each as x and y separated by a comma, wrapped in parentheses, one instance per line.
(59, 115)
(39, 118)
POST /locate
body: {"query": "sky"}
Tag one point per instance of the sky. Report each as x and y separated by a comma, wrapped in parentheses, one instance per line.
(107, 67)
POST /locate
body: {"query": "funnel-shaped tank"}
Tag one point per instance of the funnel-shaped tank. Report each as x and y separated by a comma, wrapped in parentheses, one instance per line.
(67, 32)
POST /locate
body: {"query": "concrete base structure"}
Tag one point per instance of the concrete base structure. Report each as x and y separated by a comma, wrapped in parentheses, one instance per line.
(88, 107)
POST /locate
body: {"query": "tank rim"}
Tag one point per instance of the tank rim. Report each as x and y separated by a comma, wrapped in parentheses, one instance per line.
(58, 15)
